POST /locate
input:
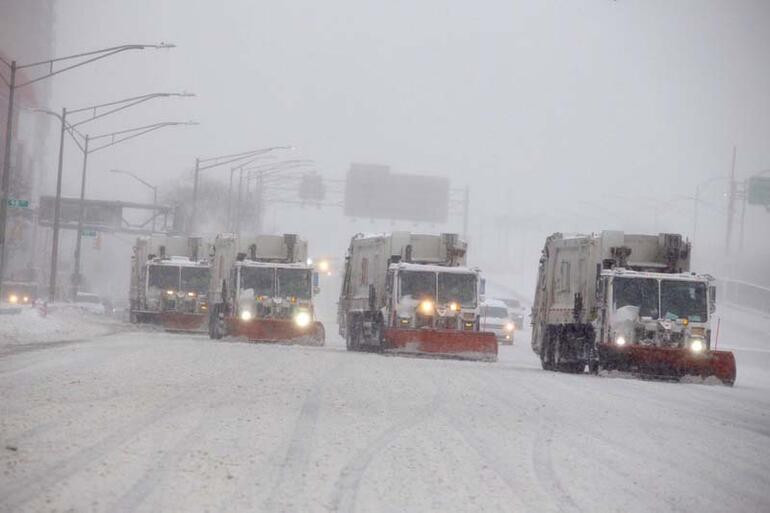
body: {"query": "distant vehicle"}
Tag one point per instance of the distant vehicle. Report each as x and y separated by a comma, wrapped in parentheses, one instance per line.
(412, 293)
(19, 293)
(90, 303)
(516, 310)
(496, 317)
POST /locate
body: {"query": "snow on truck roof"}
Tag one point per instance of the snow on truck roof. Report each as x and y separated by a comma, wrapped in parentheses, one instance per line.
(404, 266)
(177, 261)
(689, 276)
(281, 265)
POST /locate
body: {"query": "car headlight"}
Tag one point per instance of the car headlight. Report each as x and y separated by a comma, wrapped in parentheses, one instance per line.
(697, 345)
(246, 315)
(620, 340)
(426, 307)
(302, 319)
(13, 298)
(509, 326)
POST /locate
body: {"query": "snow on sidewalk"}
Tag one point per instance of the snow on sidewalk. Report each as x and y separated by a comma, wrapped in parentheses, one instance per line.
(64, 322)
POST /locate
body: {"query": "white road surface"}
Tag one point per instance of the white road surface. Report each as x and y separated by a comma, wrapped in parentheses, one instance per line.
(174, 423)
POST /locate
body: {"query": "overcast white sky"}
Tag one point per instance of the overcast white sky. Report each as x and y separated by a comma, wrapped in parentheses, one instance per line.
(575, 112)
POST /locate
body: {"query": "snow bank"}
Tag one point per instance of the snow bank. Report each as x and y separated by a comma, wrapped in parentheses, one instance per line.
(63, 322)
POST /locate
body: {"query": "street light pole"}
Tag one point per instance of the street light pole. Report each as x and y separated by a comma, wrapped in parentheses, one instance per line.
(81, 210)
(211, 162)
(127, 134)
(5, 182)
(57, 212)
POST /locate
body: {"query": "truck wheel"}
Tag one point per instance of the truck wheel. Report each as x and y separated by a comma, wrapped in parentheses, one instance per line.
(351, 335)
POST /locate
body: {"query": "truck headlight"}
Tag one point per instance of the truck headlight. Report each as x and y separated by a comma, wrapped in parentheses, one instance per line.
(620, 341)
(426, 307)
(13, 299)
(302, 319)
(454, 307)
(697, 345)
(405, 321)
(509, 327)
(246, 315)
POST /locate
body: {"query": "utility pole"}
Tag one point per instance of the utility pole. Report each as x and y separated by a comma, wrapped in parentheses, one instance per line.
(57, 212)
(730, 207)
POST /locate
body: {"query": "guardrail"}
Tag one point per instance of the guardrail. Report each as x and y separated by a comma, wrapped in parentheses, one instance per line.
(744, 294)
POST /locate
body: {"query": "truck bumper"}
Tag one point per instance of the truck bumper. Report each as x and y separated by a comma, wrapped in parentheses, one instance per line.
(663, 362)
(466, 345)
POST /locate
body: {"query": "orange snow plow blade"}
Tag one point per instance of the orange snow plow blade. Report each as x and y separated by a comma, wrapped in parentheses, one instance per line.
(679, 363)
(466, 345)
(277, 330)
(181, 321)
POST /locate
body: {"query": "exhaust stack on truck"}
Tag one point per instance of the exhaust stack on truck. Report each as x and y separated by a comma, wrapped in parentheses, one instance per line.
(412, 293)
(262, 289)
(617, 301)
(170, 283)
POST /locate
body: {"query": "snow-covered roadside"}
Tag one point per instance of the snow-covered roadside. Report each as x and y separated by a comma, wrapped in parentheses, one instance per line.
(62, 323)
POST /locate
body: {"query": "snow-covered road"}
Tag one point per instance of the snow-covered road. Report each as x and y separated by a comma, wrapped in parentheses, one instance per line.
(161, 422)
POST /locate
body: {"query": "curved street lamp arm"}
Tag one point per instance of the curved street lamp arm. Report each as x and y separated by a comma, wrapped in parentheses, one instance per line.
(99, 54)
(123, 104)
(132, 133)
(132, 175)
(235, 157)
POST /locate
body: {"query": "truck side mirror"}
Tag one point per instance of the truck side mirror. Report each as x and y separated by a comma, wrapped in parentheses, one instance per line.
(316, 283)
(483, 287)
(712, 299)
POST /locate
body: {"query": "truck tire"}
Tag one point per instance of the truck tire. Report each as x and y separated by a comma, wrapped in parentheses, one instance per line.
(352, 335)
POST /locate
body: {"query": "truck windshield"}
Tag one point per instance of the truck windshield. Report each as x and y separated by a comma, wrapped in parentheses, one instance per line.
(195, 279)
(260, 280)
(457, 287)
(418, 284)
(683, 300)
(641, 292)
(165, 277)
(294, 283)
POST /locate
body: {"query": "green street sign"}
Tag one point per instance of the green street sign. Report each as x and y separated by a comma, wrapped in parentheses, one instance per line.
(18, 203)
(759, 190)
(88, 233)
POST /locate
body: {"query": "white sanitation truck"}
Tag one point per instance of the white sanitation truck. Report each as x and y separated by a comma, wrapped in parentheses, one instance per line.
(620, 301)
(412, 293)
(170, 282)
(262, 289)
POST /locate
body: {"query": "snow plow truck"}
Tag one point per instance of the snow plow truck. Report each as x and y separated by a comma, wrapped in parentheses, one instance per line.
(170, 283)
(262, 289)
(625, 302)
(412, 293)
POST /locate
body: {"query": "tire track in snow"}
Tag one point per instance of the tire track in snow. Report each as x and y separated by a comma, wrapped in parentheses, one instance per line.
(18, 494)
(294, 464)
(345, 492)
